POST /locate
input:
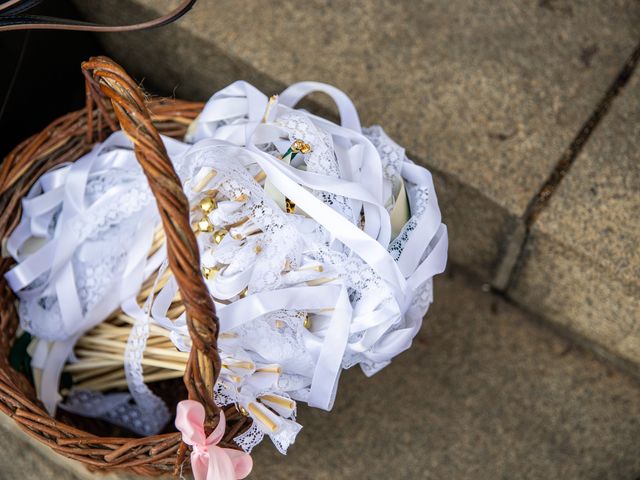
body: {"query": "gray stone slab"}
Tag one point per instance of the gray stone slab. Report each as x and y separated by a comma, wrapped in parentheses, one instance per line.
(483, 393)
(488, 94)
(582, 267)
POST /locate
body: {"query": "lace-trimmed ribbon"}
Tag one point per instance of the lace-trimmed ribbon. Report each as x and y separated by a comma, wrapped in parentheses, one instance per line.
(423, 256)
(49, 271)
(234, 122)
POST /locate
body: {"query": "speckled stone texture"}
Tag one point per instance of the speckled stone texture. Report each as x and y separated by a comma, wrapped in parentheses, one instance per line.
(484, 393)
(487, 94)
(22, 459)
(582, 264)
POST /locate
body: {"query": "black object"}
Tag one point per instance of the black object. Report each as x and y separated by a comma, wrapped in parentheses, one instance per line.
(13, 17)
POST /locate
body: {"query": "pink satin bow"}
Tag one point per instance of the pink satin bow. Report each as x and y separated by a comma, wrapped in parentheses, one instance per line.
(208, 461)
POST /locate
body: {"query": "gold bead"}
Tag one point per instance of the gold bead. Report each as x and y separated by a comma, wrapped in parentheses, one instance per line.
(208, 204)
(244, 292)
(307, 321)
(306, 148)
(257, 248)
(209, 272)
(301, 147)
(219, 235)
(243, 411)
(205, 225)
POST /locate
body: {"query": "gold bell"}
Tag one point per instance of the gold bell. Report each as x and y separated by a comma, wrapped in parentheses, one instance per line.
(307, 321)
(219, 235)
(243, 412)
(205, 225)
(208, 204)
(300, 146)
(209, 272)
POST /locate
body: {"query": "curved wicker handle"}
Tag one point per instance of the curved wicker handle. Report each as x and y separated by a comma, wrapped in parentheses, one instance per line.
(203, 366)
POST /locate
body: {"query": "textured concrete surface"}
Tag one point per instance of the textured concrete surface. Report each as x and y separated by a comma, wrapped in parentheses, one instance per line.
(22, 459)
(582, 264)
(488, 94)
(484, 393)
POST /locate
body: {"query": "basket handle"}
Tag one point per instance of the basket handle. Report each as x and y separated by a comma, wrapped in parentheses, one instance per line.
(131, 112)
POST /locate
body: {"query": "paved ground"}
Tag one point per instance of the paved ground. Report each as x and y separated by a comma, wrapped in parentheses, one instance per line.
(590, 234)
(485, 393)
(498, 98)
(504, 101)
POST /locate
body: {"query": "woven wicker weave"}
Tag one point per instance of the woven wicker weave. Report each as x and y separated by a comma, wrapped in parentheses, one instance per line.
(112, 98)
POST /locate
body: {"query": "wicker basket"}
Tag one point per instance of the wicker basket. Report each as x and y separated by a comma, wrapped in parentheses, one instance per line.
(113, 97)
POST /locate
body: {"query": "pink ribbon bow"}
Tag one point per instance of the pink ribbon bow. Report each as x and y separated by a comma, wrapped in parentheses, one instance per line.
(208, 461)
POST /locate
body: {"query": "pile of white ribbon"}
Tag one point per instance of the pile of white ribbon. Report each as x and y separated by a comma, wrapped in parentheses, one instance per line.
(326, 264)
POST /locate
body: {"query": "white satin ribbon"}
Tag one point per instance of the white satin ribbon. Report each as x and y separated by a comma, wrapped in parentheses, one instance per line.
(64, 190)
(239, 120)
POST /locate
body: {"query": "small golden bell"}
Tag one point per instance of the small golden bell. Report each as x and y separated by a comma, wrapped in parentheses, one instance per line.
(307, 321)
(205, 225)
(209, 272)
(208, 204)
(300, 146)
(306, 148)
(219, 235)
(243, 411)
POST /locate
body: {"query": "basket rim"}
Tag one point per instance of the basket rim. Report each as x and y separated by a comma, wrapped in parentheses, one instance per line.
(66, 137)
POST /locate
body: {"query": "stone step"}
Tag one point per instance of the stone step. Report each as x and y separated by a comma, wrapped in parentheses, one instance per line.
(484, 392)
(581, 264)
(488, 95)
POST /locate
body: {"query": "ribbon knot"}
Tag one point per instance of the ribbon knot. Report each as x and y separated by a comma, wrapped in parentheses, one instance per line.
(208, 461)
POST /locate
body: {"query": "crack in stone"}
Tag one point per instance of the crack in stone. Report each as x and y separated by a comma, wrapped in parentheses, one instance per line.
(542, 197)
(510, 265)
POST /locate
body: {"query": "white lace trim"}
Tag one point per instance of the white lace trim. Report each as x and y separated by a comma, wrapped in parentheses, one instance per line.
(262, 258)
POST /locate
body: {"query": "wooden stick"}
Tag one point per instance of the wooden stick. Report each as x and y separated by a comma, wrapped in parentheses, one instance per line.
(108, 384)
(91, 365)
(154, 377)
(119, 357)
(115, 346)
(92, 373)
